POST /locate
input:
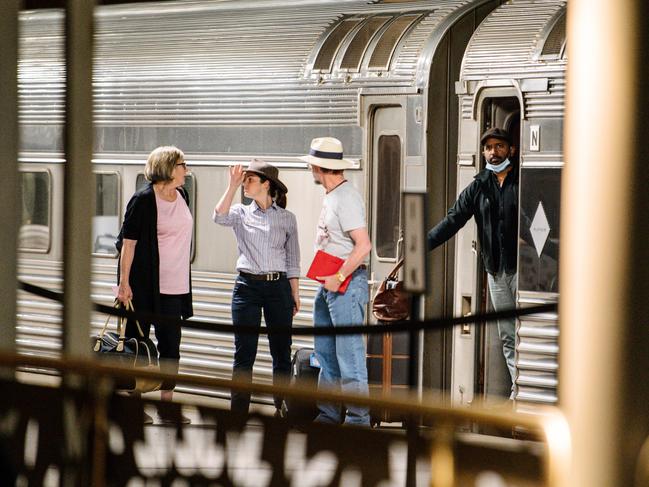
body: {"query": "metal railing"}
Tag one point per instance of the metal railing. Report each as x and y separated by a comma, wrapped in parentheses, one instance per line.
(548, 427)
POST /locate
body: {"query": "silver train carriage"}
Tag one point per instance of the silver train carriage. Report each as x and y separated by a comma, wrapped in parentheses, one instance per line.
(513, 76)
(228, 81)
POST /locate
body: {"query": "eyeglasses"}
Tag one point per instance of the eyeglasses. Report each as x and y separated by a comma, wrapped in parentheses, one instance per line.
(183, 164)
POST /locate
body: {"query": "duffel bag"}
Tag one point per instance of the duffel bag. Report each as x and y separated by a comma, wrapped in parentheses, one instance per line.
(133, 352)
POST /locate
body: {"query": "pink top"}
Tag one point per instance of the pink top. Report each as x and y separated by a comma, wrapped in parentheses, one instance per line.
(174, 244)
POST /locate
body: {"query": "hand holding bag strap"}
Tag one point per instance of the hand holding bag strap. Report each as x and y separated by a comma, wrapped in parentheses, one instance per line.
(102, 332)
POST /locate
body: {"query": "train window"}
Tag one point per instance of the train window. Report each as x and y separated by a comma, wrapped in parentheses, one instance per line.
(358, 46)
(387, 44)
(105, 222)
(34, 234)
(388, 181)
(328, 51)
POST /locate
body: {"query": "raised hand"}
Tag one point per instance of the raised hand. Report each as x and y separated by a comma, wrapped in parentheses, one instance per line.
(236, 175)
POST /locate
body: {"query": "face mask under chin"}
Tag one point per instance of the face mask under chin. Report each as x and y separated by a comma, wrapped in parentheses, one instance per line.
(499, 167)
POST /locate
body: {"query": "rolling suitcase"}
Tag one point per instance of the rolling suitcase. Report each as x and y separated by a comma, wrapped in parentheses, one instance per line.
(304, 375)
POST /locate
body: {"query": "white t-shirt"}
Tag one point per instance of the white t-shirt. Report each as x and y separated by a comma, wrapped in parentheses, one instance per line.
(343, 210)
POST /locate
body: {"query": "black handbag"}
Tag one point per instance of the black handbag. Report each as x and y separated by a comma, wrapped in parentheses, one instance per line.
(138, 352)
(391, 302)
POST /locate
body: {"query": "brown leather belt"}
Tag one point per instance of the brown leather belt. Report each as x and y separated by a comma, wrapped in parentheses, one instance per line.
(271, 276)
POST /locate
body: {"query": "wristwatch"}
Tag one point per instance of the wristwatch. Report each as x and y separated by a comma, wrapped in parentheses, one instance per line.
(341, 277)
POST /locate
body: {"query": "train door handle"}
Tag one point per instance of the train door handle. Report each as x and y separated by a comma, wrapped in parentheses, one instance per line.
(371, 281)
(466, 311)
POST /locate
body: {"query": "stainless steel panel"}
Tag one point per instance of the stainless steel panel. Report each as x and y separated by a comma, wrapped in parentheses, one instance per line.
(550, 104)
(504, 45)
(537, 355)
(209, 66)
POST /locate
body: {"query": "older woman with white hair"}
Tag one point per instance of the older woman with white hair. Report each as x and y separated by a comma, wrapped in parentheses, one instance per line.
(154, 263)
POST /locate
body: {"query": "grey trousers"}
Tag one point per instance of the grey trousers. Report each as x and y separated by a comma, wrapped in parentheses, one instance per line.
(502, 288)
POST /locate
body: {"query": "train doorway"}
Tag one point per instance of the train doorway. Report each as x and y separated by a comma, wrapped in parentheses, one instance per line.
(493, 381)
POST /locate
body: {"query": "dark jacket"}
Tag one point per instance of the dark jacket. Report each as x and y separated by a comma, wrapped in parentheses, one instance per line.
(141, 224)
(495, 211)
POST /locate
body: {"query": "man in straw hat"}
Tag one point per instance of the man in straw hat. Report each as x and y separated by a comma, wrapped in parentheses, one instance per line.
(341, 232)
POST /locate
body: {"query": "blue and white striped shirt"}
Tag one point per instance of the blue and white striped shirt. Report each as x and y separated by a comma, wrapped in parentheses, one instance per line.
(267, 240)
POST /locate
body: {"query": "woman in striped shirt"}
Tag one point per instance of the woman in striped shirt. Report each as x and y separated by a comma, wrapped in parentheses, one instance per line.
(269, 271)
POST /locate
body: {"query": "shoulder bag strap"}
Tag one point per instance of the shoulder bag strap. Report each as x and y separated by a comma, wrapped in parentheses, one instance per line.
(394, 273)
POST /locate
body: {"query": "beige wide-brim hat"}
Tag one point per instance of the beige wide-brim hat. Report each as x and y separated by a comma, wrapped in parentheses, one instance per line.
(327, 152)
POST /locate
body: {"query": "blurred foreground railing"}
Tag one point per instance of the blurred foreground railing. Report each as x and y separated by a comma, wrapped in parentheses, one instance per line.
(88, 435)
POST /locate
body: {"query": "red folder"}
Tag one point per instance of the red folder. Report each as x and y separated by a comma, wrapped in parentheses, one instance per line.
(325, 264)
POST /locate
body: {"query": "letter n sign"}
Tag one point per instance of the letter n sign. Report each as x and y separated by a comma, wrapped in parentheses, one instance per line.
(535, 138)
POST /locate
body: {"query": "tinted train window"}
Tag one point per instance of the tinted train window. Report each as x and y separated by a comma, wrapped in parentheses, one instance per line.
(34, 232)
(105, 222)
(538, 268)
(388, 196)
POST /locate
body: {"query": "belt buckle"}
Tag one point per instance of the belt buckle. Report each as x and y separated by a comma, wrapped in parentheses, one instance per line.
(272, 276)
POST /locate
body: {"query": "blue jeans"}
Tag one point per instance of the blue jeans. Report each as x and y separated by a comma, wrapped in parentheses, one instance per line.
(502, 289)
(342, 357)
(249, 298)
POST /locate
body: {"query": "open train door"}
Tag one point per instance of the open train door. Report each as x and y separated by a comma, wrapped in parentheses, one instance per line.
(479, 368)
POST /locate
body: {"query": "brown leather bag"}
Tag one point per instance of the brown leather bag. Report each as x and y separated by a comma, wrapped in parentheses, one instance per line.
(391, 302)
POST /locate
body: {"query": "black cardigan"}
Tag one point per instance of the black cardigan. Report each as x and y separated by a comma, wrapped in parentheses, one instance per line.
(141, 224)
